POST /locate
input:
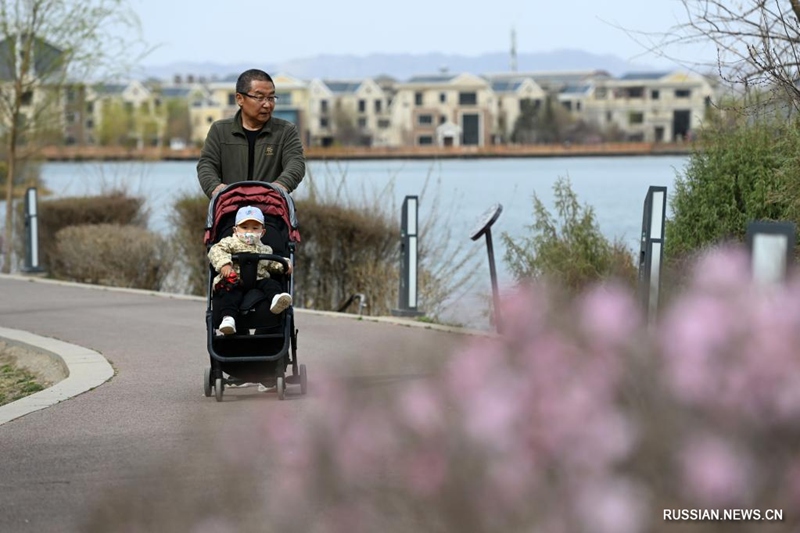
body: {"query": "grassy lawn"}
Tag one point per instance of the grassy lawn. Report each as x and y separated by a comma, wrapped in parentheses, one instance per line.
(16, 383)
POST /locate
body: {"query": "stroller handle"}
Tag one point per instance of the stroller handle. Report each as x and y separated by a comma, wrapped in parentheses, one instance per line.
(261, 257)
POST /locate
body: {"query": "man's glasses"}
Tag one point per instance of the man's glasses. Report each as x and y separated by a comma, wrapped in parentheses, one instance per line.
(260, 98)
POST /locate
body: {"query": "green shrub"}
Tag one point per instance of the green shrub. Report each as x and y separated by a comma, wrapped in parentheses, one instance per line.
(54, 215)
(188, 218)
(569, 250)
(745, 172)
(111, 254)
(346, 251)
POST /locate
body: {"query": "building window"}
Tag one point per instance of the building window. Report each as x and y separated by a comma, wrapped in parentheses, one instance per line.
(383, 123)
(468, 98)
(635, 117)
(71, 96)
(90, 107)
(578, 106)
(323, 106)
(609, 116)
(425, 120)
(89, 124)
(443, 97)
(417, 98)
(231, 98)
(323, 122)
(284, 98)
(378, 106)
(567, 105)
(442, 119)
(528, 105)
(635, 92)
(425, 140)
(655, 94)
(683, 93)
(362, 122)
(27, 98)
(209, 120)
(362, 106)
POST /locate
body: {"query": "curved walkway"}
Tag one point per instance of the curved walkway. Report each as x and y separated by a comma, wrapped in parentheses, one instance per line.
(150, 427)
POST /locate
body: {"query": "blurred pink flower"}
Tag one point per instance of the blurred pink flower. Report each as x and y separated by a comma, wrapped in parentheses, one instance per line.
(609, 315)
(426, 469)
(612, 505)
(524, 310)
(714, 470)
(724, 268)
(421, 408)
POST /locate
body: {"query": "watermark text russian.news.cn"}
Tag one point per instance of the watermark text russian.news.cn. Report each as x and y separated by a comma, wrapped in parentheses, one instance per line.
(732, 515)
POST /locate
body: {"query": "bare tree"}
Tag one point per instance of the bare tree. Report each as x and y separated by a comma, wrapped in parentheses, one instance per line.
(756, 42)
(46, 47)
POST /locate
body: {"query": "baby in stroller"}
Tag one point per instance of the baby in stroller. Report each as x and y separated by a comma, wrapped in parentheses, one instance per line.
(251, 235)
(228, 292)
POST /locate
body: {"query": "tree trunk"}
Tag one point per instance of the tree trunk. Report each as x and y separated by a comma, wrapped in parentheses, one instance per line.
(9, 231)
(796, 8)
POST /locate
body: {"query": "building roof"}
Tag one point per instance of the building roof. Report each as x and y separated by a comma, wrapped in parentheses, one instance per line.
(111, 88)
(432, 78)
(577, 89)
(342, 87)
(176, 92)
(644, 75)
(505, 86)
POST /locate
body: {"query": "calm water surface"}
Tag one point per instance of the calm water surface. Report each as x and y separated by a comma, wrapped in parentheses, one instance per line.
(453, 193)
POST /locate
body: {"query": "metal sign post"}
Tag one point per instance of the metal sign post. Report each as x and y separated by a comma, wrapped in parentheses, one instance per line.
(31, 231)
(409, 267)
(484, 227)
(771, 246)
(652, 250)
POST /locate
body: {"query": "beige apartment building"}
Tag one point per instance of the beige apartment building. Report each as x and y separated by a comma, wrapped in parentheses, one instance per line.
(652, 107)
(348, 111)
(443, 109)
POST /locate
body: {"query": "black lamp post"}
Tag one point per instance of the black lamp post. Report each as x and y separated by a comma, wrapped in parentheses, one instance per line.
(484, 227)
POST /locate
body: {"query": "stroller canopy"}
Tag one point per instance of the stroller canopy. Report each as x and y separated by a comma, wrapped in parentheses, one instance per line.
(272, 200)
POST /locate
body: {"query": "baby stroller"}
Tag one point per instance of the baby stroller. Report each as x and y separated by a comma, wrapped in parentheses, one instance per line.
(265, 345)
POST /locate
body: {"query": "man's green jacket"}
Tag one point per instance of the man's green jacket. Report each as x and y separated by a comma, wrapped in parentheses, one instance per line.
(278, 156)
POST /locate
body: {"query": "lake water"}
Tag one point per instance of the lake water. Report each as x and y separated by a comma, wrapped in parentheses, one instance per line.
(453, 194)
(453, 191)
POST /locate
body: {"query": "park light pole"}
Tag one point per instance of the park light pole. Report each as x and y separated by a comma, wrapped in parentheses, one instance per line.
(484, 227)
(771, 246)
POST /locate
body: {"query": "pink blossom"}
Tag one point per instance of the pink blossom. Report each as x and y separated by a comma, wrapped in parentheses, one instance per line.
(612, 505)
(421, 408)
(609, 315)
(725, 269)
(714, 470)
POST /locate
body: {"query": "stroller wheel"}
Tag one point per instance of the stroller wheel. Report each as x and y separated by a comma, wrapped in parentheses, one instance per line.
(219, 386)
(281, 388)
(303, 379)
(207, 382)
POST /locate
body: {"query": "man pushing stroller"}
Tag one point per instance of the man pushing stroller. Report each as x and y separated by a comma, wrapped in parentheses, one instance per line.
(228, 292)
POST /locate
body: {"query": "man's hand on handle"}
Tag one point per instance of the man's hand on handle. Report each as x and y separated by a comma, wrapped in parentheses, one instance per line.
(221, 186)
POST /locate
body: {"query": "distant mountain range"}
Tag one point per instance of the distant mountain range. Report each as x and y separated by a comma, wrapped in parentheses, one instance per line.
(402, 66)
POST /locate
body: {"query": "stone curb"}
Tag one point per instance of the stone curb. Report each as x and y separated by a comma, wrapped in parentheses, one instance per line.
(87, 370)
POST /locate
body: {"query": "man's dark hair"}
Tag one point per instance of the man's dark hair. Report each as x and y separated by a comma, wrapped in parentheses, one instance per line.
(247, 77)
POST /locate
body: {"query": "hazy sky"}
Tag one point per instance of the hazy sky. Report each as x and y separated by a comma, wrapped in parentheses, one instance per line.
(261, 30)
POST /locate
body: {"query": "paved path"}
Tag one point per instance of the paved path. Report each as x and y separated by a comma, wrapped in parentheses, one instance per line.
(150, 423)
